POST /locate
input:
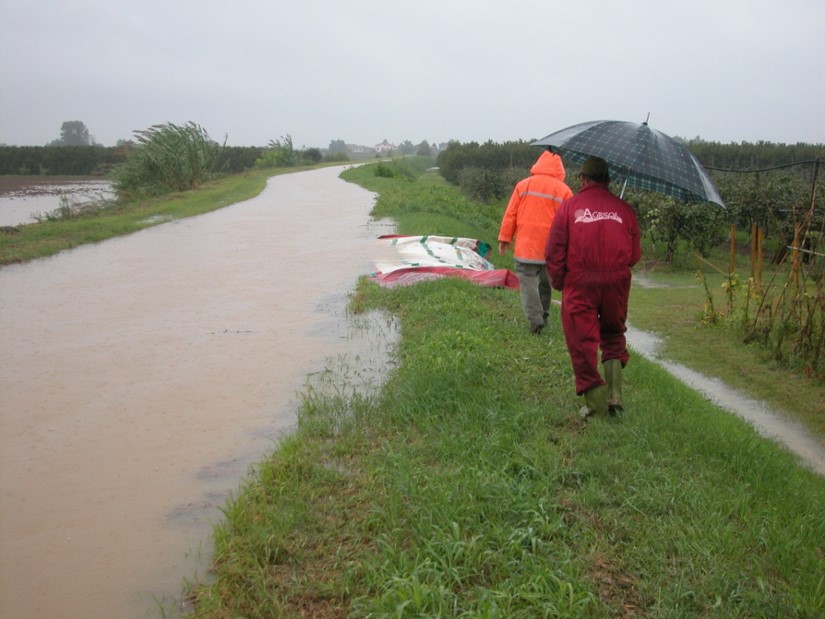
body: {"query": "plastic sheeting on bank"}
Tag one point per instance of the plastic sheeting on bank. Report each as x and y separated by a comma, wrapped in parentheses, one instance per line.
(405, 260)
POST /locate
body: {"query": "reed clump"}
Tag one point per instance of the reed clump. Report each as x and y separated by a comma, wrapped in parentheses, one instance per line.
(166, 159)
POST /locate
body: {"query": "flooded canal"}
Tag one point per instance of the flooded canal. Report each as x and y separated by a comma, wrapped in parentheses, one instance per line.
(142, 376)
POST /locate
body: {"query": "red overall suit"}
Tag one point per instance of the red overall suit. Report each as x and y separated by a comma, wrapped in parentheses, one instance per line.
(593, 242)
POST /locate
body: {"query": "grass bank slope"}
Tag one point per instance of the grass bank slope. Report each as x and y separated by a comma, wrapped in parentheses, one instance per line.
(468, 487)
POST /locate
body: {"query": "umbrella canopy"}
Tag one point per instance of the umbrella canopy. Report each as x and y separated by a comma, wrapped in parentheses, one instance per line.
(638, 156)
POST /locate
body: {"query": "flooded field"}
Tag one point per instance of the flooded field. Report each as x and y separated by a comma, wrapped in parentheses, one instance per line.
(142, 376)
(24, 198)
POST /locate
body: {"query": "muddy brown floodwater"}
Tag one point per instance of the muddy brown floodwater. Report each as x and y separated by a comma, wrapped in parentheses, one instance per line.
(142, 376)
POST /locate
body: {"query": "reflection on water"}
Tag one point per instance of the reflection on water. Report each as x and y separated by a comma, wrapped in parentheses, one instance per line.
(142, 376)
(24, 204)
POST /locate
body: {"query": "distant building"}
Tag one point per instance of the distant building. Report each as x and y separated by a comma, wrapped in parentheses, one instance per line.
(357, 151)
(385, 148)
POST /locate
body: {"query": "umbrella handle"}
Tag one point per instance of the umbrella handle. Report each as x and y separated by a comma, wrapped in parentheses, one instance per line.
(623, 188)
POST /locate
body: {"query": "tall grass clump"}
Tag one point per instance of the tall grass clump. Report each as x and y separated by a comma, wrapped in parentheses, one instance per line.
(282, 154)
(168, 158)
(784, 316)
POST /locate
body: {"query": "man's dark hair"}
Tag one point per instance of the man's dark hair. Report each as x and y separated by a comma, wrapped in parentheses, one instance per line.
(595, 169)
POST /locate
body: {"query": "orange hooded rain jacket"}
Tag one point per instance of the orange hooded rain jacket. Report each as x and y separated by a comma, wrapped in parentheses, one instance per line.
(532, 207)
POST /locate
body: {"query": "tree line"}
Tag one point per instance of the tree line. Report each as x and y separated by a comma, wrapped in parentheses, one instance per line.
(771, 185)
(752, 155)
(98, 160)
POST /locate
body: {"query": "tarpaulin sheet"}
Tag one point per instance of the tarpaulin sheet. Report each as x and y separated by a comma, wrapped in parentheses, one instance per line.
(405, 260)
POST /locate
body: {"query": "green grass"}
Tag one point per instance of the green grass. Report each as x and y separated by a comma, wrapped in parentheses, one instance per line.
(673, 309)
(468, 487)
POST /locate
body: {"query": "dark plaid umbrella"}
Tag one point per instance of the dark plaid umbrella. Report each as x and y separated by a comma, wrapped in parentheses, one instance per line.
(638, 156)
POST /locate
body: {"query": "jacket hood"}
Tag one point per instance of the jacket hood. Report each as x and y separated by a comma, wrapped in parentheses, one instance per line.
(550, 164)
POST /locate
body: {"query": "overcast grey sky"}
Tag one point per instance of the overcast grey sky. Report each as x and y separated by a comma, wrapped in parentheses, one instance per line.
(435, 70)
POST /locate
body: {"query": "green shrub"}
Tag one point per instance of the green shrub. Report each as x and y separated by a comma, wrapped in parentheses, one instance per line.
(385, 171)
(278, 154)
(168, 158)
(282, 154)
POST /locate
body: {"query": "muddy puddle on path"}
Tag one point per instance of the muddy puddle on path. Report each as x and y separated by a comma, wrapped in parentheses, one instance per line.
(767, 422)
(142, 376)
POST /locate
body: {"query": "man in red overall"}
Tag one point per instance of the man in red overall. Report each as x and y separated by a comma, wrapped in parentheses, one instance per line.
(593, 243)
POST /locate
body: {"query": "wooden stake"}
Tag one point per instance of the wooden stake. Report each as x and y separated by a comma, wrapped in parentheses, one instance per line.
(753, 251)
(795, 258)
(759, 239)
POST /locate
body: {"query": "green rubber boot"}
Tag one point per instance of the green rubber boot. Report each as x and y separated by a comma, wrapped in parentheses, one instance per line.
(595, 402)
(613, 376)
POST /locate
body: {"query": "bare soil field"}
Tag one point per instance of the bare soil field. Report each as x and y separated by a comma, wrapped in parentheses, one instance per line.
(33, 185)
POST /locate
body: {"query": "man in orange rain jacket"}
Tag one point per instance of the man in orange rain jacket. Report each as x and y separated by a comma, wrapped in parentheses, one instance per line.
(528, 216)
(593, 243)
